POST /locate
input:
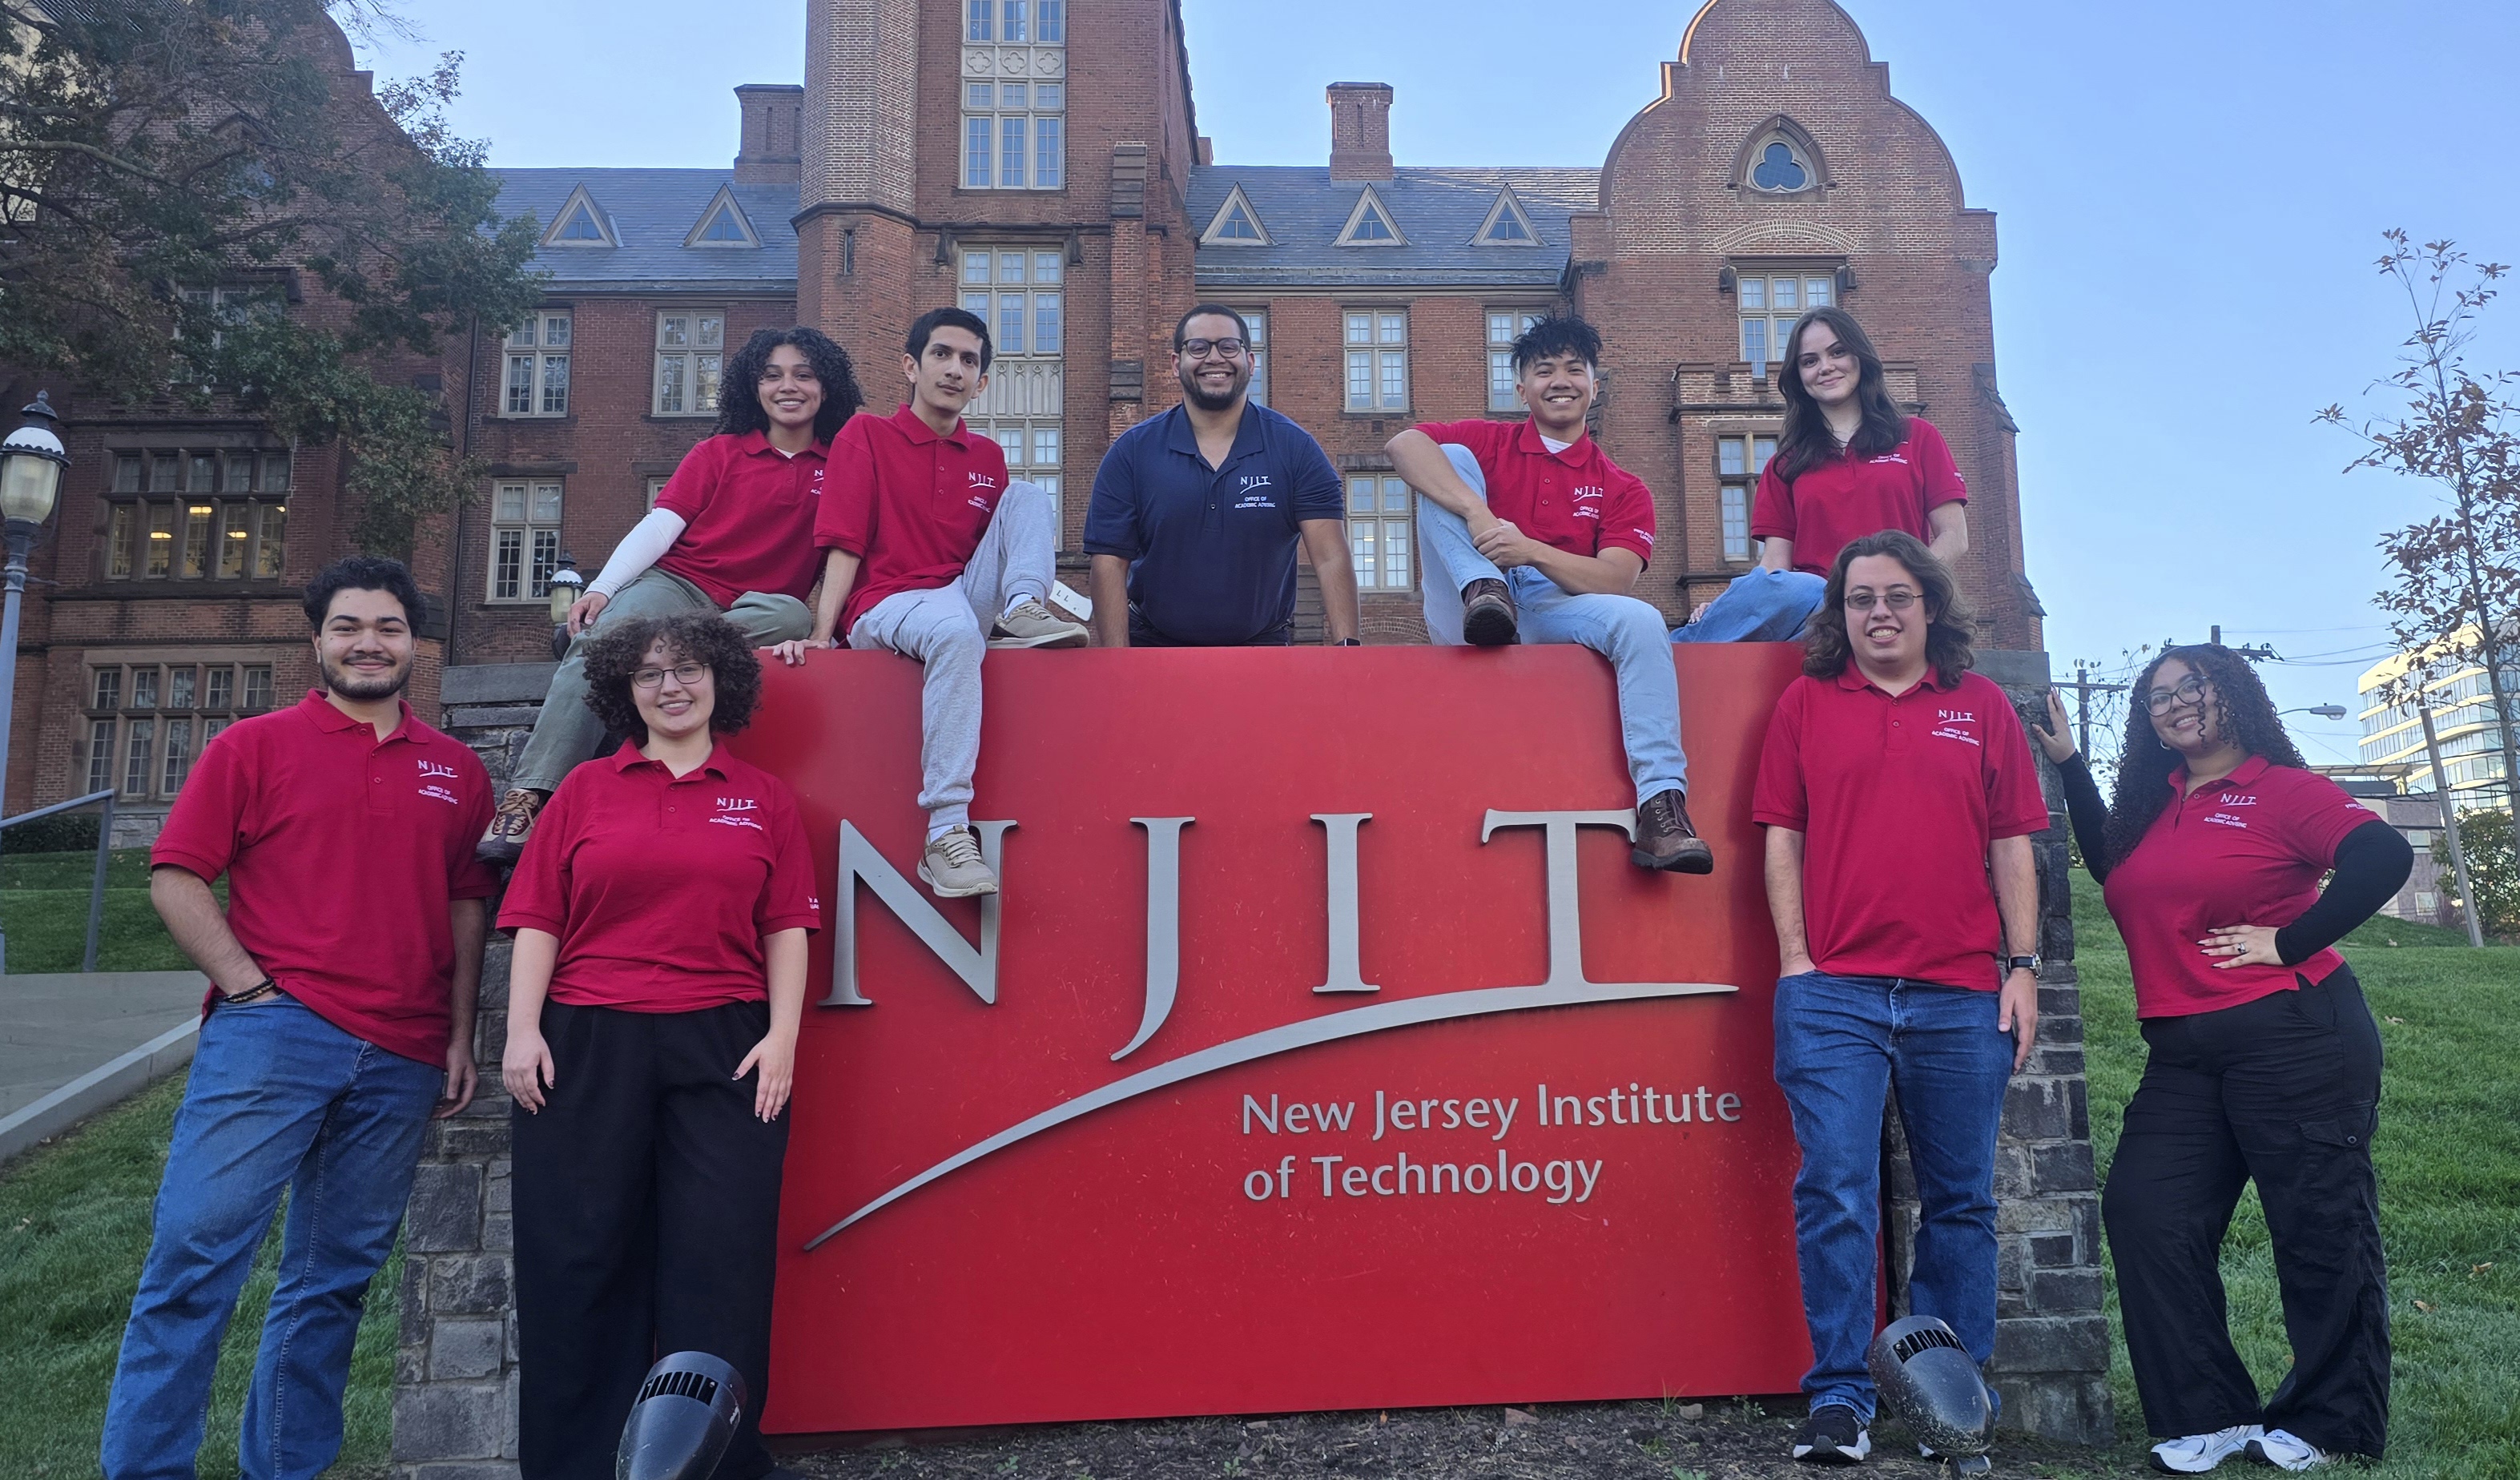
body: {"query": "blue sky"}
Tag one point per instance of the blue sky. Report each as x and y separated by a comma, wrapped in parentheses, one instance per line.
(2189, 198)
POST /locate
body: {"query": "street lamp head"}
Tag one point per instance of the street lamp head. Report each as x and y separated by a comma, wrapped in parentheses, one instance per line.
(566, 586)
(31, 461)
(2328, 711)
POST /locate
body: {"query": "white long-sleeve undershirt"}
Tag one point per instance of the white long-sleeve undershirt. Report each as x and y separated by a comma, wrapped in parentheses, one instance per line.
(647, 540)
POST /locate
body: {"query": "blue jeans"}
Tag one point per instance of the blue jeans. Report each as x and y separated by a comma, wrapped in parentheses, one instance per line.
(1841, 1042)
(1762, 607)
(278, 1099)
(1630, 633)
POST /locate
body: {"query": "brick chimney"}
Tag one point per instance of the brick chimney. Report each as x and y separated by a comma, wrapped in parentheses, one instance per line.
(774, 124)
(1359, 130)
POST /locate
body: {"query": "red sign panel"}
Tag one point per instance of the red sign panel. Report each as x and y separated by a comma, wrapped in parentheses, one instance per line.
(1323, 1049)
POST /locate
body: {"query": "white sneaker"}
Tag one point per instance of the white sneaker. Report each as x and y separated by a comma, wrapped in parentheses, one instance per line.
(2286, 1451)
(2198, 1453)
(952, 867)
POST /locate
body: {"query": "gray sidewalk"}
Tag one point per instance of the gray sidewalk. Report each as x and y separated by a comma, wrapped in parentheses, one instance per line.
(72, 1044)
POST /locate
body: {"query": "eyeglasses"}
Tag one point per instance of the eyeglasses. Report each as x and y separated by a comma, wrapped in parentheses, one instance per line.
(685, 674)
(1898, 599)
(2190, 690)
(1199, 349)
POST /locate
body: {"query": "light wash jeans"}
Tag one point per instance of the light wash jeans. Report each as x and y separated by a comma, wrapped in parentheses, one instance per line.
(278, 1099)
(1630, 633)
(1841, 1043)
(947, 629)
(1762, 607)
(567, 731)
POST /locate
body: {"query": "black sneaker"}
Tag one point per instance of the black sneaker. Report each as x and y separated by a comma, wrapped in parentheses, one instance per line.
(1832, 1435)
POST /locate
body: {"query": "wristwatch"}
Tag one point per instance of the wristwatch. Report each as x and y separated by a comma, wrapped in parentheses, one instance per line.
(1351, 642)
(2029, 964)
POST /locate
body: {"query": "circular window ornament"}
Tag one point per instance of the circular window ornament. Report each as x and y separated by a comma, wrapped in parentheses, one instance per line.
(1780, 168)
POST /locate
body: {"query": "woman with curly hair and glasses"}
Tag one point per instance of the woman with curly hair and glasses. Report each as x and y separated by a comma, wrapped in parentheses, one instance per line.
(660, 915)
(732, 534)
(2264, 1062)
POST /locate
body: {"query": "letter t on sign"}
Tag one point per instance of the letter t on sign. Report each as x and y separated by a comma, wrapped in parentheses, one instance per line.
(1565, 911)
(1345, 974)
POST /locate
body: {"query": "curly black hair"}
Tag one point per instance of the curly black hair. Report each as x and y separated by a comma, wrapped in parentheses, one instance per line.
(2240, 709)
(1807, 442)
(621, 650)
(738, 398)
(1950, 621)
(1559, 334)
(361, 573)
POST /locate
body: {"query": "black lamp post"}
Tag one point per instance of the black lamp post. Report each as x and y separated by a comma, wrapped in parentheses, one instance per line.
(31, 461)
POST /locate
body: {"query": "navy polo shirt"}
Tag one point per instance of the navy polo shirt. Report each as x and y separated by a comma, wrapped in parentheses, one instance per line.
(1211, 551)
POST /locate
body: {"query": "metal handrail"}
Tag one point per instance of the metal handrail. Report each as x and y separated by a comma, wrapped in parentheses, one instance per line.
(96, 888)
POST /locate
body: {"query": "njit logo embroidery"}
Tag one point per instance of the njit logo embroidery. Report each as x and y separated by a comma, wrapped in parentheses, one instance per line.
(737, 812)
(816, 489)
(434, 770)
(2227, 820)
(1252, 495)
(1891, 457)
(430, 774)
(2238, 799)
(984, 481)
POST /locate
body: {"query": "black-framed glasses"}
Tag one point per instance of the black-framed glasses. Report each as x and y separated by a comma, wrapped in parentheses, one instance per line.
(1200, 349)
(685, 674)
(2191, 690)
(1898, 599)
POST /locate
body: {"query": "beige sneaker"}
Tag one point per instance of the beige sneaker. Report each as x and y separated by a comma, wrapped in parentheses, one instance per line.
(1033, 625)
(509, 826)
(952, 867)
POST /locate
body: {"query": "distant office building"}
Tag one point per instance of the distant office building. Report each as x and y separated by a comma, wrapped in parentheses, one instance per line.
(2462, 705)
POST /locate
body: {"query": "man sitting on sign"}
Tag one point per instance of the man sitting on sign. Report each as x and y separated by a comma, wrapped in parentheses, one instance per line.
(1197, 510)
(1530, 533)
(1893, 785)
(930, 553)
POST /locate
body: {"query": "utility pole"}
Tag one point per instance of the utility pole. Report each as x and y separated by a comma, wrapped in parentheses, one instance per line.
(2083, 687)
(2450, 824)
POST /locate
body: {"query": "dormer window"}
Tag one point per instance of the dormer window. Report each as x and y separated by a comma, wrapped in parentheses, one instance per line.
(723, 224)
(1236, 224)
(580, 222)
(1506, 224)
(1370, 224)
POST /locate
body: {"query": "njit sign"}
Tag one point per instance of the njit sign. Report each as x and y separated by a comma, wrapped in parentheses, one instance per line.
(1324, 1049)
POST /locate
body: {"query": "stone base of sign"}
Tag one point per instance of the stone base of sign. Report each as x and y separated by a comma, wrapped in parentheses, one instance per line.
(454, 1370)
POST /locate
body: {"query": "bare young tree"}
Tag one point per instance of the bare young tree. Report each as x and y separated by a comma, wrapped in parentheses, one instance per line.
(2460, 431)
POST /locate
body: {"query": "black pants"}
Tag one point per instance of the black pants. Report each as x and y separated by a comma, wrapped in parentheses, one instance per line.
(646, 1211)
(2284, 1090)
(1143, 633)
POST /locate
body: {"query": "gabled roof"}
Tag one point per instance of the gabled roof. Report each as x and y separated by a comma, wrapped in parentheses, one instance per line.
(656, 216)
(1440, 212)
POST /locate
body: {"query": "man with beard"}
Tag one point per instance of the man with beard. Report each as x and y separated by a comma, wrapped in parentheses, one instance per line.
(343, 975)
(1197, 513)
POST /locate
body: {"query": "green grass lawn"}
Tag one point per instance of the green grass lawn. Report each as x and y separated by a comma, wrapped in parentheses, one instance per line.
(43, 906)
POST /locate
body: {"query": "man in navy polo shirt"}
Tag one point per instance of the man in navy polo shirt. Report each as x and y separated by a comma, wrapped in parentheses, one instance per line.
(1197, 513)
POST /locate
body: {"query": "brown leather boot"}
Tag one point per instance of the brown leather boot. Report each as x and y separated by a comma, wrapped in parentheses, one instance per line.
(1487, 615)
(1666, 840)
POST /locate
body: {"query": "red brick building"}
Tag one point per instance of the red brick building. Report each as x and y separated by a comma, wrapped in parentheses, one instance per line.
(1041, 162)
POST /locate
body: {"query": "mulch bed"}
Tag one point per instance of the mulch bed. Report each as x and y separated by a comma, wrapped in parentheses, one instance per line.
(1582, 1441)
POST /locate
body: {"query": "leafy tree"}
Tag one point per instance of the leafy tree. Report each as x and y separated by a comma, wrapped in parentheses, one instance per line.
(2460, 570)
(2493, 869)
(169, 168)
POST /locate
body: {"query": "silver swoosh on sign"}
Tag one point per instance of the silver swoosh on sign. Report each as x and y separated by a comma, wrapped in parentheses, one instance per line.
(1329, 1027)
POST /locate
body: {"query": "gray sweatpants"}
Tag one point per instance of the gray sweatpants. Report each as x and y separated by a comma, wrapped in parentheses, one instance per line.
(946, 628)
(567, 731)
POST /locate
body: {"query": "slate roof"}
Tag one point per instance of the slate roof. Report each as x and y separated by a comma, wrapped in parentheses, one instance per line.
(1438, 209)
(650, 212)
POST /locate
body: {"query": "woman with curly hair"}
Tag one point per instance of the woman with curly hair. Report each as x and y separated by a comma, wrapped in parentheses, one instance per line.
(732, 534)
(2264, 1062)
(660, 915)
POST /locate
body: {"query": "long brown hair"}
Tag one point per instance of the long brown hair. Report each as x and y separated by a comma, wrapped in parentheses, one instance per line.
(1807, 442)
(1950, 620)
(2242, 714)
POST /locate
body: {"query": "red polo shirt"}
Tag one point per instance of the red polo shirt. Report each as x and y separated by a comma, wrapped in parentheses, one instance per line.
(1849, 497)
(342, 852)
(2247, 850)
(910, 505)
(1577, 499)
(1898, 799)
(662, 889)
(748, 518)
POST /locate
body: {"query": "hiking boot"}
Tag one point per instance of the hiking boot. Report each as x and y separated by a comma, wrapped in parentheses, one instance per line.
(510, 825)
(1666, 840)
(1487, 614)
(952, 867)
(2287, 1450)
(1832, 1435)
(1030, 624)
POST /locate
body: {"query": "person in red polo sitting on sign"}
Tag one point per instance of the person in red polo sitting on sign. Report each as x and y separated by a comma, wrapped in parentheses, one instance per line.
(1850, 463)
(731, 532)
(660, 915)
(933, 555)
(2265, 1061)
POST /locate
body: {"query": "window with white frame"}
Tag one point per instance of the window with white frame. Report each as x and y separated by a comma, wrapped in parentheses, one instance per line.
(1020, 292)
(148, 722)
(1256, 320)
(1771, 301)
(524, 539)
(1738, 462)
(1377, 359)
(1381, 525)
(1018, 23)
(655, 488)
(1014, 135)
(198, 514)
(691, 350)
(1504, 326)
(537, 376)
